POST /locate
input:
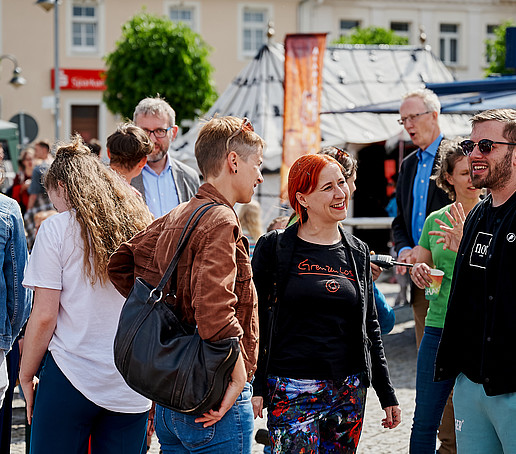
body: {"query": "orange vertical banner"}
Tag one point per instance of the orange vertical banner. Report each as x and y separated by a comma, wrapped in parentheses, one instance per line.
(304, 55)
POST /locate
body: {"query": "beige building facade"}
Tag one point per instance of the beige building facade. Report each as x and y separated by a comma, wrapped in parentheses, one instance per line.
(235, 29)
(89, 29)
(456, 30)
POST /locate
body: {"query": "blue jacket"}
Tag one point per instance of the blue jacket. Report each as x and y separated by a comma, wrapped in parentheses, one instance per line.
(15, 300)
(386, 316)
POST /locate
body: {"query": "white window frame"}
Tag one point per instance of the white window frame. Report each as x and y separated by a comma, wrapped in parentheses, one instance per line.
(347, 31)
(244, 54)
(447, 38)
(406, 33)
(194, 7)
(89, 51)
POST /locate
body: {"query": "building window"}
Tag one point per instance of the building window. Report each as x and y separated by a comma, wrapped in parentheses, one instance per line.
(347, 26)
(449, 44)
(185, 14)
(490, 34)
(254, 30)
(401, 29)
(84, 28)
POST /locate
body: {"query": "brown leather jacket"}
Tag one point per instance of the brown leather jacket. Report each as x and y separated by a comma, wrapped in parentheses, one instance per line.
(215, 287)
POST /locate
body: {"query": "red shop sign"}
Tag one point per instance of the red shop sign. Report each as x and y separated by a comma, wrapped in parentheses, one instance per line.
(80, 79)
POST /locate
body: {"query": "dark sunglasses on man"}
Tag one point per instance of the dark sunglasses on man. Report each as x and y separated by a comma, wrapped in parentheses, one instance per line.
(484, 145)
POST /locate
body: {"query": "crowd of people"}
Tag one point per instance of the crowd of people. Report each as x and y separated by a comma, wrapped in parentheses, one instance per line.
(300, 297)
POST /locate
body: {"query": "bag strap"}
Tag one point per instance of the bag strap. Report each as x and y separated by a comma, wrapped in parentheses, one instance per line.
(273, 302)
(183, 240)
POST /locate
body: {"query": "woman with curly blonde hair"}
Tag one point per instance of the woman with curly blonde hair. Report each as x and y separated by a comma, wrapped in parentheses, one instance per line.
(76, 311)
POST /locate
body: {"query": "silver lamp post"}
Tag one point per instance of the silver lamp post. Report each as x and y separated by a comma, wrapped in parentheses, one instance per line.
(17, 80)
(47, 5)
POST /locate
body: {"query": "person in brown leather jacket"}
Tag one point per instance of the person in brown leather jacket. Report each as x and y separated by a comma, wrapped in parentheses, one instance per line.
(214, 287)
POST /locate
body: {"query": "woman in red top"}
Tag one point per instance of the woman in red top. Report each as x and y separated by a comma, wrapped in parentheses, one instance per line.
(22, 179)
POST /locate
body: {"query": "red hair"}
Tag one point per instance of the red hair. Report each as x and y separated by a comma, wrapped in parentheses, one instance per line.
(304, 176)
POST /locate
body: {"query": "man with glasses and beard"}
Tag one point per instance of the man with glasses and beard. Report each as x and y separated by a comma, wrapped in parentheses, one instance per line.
(478, 343)
(164, 182)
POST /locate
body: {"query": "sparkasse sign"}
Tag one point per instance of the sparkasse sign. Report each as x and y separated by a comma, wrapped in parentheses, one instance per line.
(79, 79)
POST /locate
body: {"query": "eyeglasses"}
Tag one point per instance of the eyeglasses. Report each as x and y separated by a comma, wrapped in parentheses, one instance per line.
(245, 126)
(484, 145)
(158, 133)
(412, 117)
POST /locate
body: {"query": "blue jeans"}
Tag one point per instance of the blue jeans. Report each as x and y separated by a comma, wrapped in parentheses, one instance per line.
(430, 396)
(483, 424)
(233, 434)
(64, 420)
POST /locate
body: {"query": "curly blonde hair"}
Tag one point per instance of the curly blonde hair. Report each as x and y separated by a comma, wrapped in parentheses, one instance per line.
(108, 211)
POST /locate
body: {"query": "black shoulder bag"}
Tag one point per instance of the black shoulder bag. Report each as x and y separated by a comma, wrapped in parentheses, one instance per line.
(164, 360)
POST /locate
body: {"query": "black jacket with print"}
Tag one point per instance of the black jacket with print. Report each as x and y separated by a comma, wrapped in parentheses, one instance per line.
(494, 310)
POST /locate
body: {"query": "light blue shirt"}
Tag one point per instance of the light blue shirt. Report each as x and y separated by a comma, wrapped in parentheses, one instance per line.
(160, 190)
(420, 188)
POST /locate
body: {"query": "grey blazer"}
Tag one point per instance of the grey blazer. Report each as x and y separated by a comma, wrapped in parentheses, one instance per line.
(185, 178)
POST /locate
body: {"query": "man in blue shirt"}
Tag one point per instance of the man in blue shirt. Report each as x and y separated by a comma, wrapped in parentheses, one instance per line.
(164, 182)
(417, 196)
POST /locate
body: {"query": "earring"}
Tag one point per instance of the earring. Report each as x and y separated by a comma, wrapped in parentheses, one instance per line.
(235, 170)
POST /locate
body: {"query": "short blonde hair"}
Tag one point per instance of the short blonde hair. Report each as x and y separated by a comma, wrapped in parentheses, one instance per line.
(211, 149)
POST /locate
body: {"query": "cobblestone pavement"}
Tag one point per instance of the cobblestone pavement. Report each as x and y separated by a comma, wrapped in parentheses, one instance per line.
(400, 349)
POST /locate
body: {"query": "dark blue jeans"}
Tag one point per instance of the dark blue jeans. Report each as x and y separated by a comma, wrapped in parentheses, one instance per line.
(64, 420)
(430, 396)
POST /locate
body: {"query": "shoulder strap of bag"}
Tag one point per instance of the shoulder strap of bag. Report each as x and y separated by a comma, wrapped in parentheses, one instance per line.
(183, 240)
(273, 304)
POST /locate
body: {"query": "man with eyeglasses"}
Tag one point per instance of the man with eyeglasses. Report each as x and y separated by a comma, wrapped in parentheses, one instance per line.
(416, 194)
(164, 182)
(478, 343)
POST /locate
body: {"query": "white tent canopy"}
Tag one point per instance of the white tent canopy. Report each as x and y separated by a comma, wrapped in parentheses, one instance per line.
(353, 76)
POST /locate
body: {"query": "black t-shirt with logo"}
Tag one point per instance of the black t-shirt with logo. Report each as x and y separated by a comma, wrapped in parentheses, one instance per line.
(319, 322)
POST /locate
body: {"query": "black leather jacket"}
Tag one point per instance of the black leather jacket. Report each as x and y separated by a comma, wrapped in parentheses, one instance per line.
(270, 265)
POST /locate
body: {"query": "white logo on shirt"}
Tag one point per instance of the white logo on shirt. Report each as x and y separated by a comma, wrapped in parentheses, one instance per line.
(511, 237)
(479, 251)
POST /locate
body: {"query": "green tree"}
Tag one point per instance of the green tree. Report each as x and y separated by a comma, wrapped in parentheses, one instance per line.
(372, 35)
(495, 50)
(156, 55)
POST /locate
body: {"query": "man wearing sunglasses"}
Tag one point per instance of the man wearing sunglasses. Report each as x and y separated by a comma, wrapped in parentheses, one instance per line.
(478, 343)
(416, 194)
(164, 182)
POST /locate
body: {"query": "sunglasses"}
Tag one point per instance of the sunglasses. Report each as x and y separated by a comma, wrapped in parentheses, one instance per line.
(245, 126)
(484, 145)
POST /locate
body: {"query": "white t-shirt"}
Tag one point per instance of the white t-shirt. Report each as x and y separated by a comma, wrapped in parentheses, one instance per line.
(82, 343)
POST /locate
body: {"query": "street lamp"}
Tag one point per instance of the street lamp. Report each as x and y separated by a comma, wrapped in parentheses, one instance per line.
(17, 80)
(47, 5)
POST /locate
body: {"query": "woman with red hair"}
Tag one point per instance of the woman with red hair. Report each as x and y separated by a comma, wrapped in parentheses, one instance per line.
(320, 342)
